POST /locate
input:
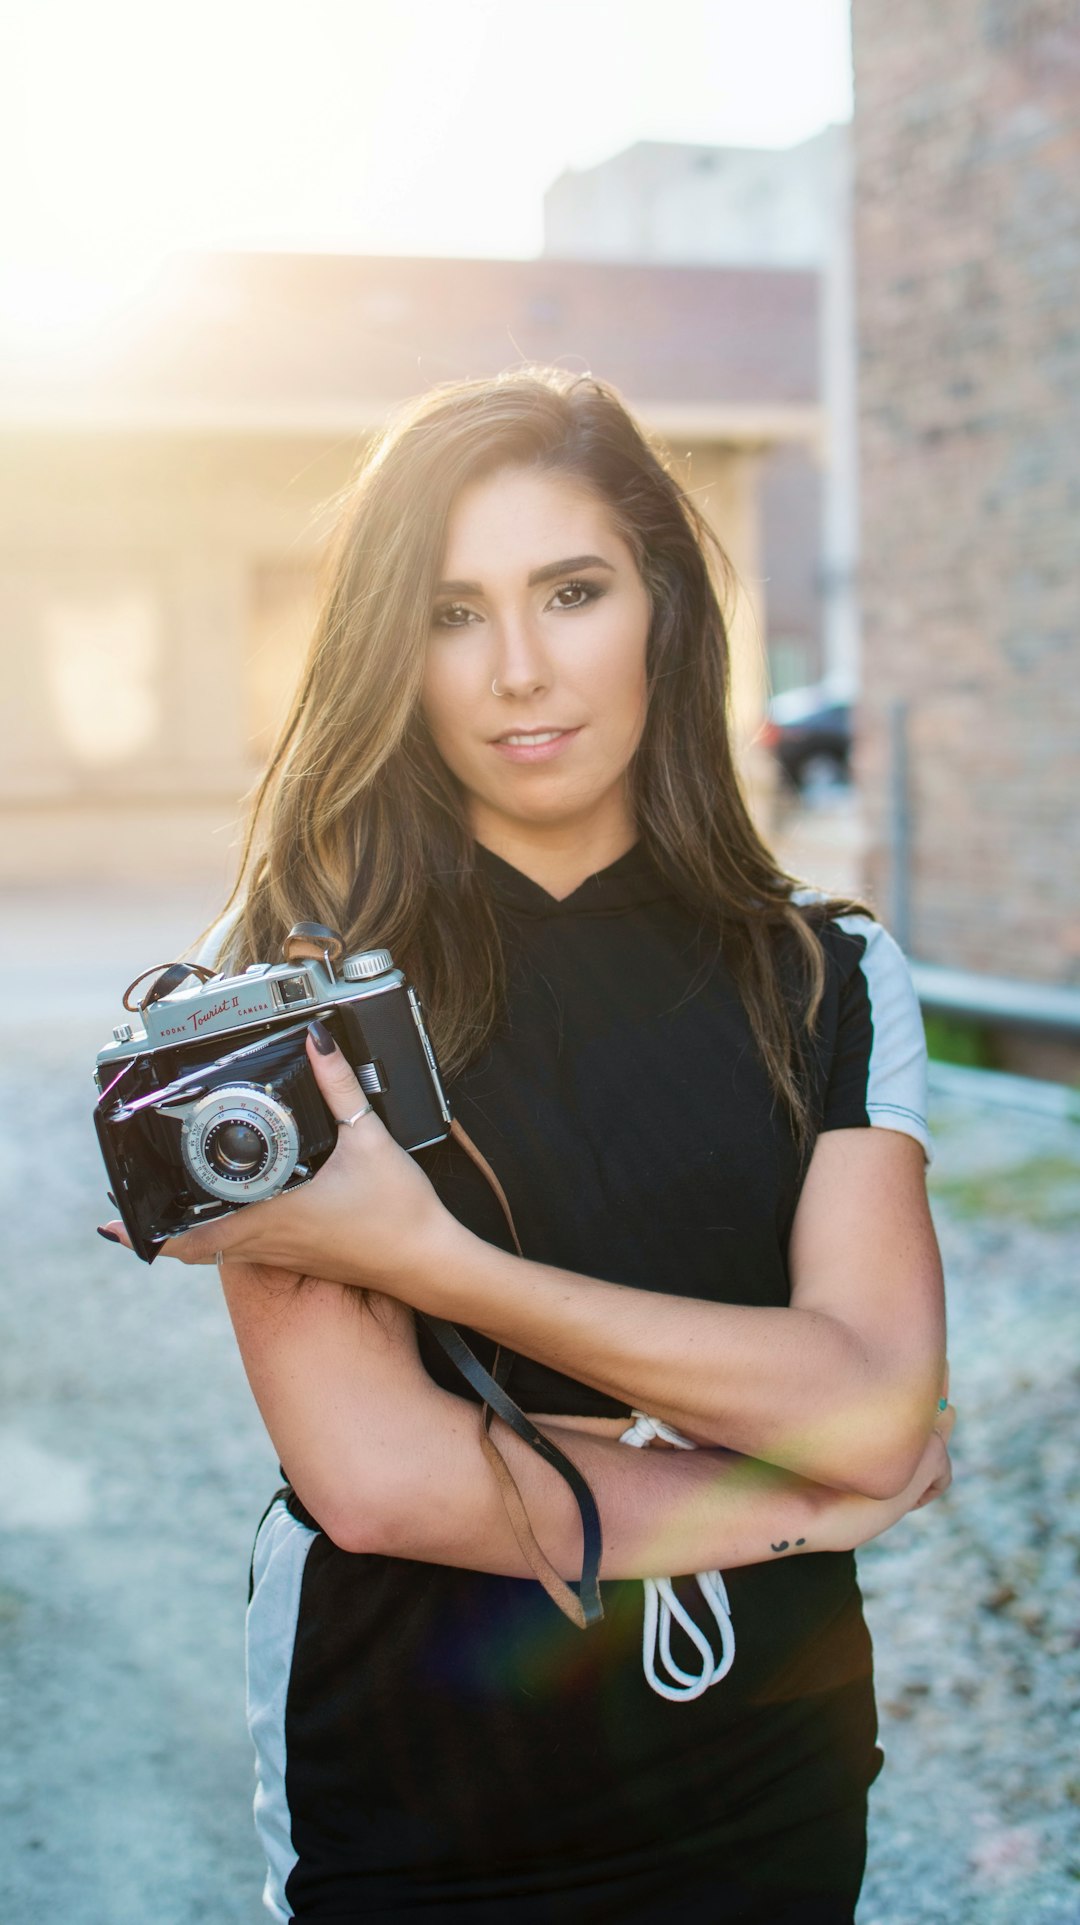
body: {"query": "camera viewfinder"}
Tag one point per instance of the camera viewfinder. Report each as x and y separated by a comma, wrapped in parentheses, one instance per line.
(293, 989)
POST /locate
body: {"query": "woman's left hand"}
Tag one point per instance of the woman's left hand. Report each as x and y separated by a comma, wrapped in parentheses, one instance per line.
(369, 1218)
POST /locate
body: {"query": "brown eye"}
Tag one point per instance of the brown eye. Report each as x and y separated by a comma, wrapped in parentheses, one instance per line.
(584, 592)
(452, 615)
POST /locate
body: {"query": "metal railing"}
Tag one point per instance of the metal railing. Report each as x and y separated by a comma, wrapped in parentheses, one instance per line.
(1054, 1009)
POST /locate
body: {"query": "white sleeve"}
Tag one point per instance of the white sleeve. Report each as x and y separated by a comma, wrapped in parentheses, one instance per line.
(879, 1071)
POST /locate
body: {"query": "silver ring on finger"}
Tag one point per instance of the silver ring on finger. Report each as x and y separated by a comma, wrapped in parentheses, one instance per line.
(346, 1122)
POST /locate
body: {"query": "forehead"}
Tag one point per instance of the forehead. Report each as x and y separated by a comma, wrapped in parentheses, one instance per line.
(517, 519)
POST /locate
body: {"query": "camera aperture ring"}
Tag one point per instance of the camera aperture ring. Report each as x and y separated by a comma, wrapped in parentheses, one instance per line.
(240, 1144)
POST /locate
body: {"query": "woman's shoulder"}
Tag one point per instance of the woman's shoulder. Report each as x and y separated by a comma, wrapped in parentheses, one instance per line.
(852, 939)
(871, 1036)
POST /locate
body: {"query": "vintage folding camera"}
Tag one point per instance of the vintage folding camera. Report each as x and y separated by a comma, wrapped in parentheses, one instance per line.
(213, 1104)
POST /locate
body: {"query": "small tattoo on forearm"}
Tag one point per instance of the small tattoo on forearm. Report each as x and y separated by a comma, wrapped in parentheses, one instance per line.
(784, 1545)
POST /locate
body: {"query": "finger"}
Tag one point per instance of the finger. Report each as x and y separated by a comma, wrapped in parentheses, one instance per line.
(203, 1242)
(938, 1488)
(946, 1423)
(224, 1235)
(189, 1248)
(337, 1081)
(200, 1245)
(940, 1481)
(114, 1232)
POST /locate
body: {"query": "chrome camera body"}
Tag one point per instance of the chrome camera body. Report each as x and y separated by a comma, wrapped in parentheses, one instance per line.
(212, 1104)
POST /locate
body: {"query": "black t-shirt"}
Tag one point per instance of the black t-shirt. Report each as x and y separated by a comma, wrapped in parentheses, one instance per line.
(440, 1721)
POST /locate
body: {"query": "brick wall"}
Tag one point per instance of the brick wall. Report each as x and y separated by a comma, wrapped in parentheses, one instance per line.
(967, 144)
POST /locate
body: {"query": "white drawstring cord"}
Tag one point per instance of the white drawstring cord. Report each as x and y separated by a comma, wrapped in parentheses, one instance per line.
(662, 1607)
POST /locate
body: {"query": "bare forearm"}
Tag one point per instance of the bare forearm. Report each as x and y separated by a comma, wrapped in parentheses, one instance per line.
(663, 1511)
(389, 1462)
(790, 1387)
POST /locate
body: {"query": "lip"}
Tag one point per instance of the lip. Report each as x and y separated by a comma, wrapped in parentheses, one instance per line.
(540, 751)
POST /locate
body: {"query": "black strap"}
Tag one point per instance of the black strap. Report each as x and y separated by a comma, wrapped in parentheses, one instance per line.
(488, 1386)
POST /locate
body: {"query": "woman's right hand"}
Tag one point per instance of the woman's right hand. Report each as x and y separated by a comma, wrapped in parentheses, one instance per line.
(369, 1218)
(856, 1519)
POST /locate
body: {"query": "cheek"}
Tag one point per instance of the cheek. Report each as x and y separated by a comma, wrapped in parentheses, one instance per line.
(621, 682)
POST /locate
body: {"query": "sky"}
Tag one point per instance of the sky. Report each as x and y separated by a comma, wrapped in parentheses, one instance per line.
(129, 128)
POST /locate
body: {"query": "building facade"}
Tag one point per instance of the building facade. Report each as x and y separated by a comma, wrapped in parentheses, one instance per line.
(967, 164)
(165, 497)
(667, 202)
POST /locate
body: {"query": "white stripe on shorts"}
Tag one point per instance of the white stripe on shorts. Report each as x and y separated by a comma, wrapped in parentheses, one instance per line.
(281, 1549)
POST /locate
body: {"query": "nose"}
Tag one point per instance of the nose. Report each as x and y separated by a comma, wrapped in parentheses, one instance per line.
(519, 661)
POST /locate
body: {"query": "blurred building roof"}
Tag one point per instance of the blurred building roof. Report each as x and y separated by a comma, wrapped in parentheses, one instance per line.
(281, 342)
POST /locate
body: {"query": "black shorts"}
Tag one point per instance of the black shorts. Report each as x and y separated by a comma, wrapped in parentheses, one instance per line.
(437, 1741)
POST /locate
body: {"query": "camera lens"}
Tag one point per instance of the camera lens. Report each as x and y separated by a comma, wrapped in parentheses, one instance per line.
(240, 1143)
(236, 1149)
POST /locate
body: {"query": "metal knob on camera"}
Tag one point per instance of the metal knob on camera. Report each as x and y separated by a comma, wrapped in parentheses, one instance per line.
(367, 964)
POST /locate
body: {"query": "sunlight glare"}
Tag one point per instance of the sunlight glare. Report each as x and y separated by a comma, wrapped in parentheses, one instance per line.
(430, 127)
(102, 653)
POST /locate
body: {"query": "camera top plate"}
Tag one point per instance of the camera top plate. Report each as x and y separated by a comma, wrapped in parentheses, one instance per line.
(267, 993)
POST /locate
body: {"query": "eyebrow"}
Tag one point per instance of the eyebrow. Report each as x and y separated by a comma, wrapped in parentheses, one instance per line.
(546, 574)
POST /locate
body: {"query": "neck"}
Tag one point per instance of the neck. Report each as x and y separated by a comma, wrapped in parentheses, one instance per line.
(557, 858)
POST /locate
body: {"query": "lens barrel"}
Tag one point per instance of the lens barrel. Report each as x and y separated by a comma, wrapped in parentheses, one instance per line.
(236, 1149)
(240, 1144)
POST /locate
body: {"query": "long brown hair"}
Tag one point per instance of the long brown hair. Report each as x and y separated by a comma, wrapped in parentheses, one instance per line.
(357, 822)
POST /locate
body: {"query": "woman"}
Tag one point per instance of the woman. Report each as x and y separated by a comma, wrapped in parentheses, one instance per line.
(509, 763)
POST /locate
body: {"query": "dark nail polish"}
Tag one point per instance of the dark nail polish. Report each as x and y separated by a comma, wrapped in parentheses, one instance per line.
(321, 1037)
(112, 1199)
(109, 1235)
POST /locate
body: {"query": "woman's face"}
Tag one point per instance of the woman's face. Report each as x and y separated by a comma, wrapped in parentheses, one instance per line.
(535, 688)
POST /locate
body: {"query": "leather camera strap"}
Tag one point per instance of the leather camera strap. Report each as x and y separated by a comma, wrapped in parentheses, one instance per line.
(584, 1606)
(168, 977)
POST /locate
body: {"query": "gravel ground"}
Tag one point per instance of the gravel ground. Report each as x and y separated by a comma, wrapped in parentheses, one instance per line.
(975, 1602)
(135, 1467)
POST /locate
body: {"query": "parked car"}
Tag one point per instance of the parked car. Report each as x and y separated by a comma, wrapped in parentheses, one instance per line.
(808, 730)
